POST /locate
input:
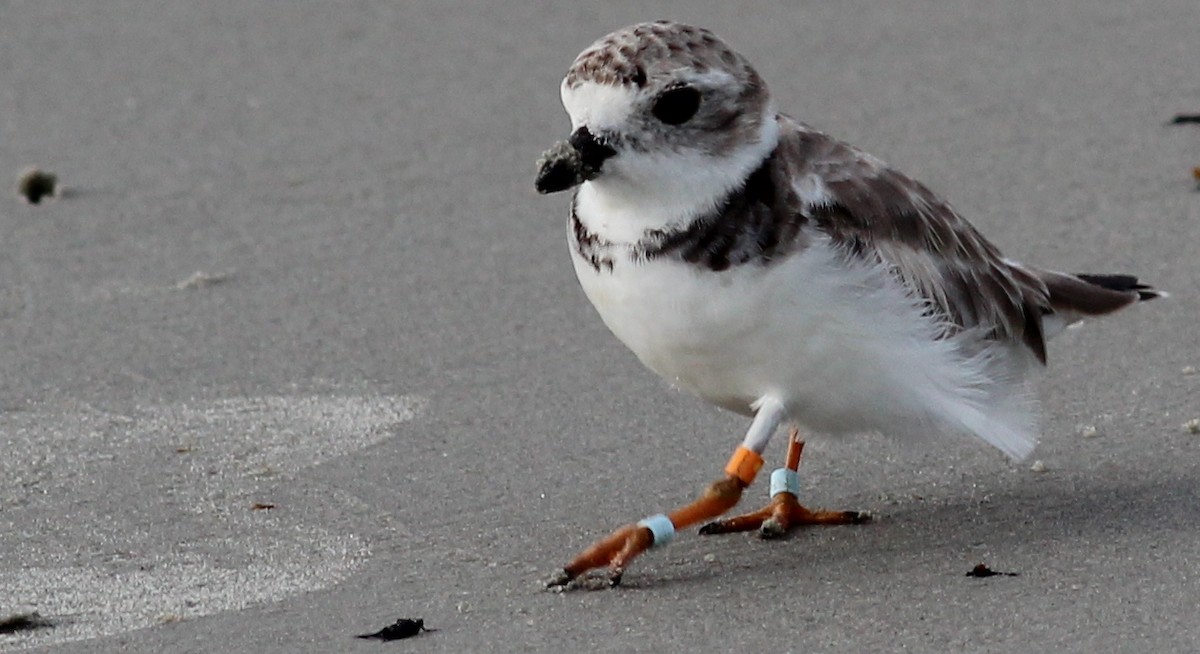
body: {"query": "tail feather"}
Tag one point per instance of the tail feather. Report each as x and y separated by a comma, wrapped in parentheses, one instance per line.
(1123, 284)
(1085, 295)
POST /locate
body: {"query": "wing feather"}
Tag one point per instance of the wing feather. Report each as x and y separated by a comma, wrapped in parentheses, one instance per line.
(872, 210)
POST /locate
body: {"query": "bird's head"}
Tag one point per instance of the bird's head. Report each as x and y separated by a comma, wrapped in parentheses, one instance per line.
(660, 108)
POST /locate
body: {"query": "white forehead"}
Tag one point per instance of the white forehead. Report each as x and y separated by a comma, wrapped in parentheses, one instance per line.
(599, 106)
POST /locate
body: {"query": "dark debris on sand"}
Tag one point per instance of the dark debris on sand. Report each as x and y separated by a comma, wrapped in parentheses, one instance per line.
(18, 622)
(35, 184)
(402, 628)
(981, 571)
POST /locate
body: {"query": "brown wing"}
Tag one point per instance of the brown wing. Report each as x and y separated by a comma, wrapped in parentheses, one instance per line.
(873, 210)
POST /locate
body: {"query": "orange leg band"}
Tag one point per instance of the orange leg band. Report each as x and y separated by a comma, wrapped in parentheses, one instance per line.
(744, 465)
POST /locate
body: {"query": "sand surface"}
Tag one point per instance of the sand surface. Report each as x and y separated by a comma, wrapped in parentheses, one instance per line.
(298, 351)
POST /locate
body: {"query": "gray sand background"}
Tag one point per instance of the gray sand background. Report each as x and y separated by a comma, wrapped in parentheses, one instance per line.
(387, 344)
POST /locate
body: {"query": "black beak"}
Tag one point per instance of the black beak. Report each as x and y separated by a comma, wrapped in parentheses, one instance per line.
(572, 162)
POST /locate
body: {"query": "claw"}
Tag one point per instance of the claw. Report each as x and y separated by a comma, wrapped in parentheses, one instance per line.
(859, 517)
(772, 529)
(562, 581)
(559, 581)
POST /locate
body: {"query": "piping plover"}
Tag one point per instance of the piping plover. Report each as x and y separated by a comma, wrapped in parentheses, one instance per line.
(780, 273)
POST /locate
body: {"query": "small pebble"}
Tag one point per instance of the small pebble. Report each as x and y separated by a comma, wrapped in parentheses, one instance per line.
(1192, 426)
(1088, 431)
(201, 279)
(1188, 370)
(1038, 466)
(709, 558)
(35, 184)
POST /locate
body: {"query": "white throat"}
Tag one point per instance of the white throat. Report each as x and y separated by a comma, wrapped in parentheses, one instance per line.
(639, 191)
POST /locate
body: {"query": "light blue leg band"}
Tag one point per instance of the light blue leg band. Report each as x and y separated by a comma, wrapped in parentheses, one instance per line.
(785, 480)
(662, 528)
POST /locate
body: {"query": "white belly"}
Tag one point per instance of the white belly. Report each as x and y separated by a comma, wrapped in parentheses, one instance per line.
(842, 345)
(690, 327)
(797, 329)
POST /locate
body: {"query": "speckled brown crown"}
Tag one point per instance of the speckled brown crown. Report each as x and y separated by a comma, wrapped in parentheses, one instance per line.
(629, 55)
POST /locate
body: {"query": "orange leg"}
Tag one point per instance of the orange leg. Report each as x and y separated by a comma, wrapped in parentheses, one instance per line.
(784, 512)
(616, 550)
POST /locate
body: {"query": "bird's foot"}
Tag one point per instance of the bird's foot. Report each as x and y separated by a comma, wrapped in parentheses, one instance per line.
(613, 551)
(780, 516)
(617, 549)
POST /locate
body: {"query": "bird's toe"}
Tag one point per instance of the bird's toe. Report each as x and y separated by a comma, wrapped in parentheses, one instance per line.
(771, 529)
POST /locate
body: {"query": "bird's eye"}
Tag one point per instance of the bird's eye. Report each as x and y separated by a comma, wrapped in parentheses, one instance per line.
(677, 106)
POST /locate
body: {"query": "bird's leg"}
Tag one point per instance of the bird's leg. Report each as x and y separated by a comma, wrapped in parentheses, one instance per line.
(617, 549)
(784, 512)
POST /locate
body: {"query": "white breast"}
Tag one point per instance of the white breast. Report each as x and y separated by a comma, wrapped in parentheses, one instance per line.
(842, 343)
